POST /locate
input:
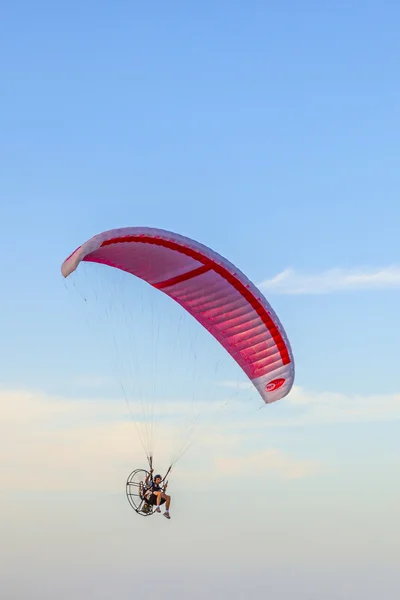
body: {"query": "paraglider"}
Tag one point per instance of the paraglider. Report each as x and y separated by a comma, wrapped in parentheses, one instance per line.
(214, 292)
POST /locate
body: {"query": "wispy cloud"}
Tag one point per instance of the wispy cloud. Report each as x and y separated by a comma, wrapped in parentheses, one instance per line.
(333, 280)
(326, 407)
(309, 407)
(61, 444)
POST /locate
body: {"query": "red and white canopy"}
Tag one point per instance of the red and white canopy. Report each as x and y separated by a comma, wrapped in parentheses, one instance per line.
(208, 287)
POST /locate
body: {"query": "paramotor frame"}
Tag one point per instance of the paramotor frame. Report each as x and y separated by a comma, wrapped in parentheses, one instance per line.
(138, 492)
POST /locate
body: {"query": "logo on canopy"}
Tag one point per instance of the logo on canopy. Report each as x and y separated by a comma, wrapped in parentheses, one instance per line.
(274, 384)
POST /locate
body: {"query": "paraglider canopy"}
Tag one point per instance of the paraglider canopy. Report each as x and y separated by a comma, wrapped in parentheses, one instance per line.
(211, 289)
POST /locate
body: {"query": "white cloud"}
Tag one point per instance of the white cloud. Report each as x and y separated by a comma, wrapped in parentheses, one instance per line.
(333, 280)
(327, 407)
(53, 443)
(303, 407)
(309, 407)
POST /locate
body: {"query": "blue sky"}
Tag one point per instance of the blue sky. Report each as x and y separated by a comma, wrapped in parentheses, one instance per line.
(268, 131)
